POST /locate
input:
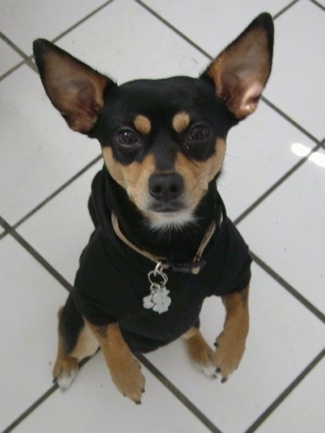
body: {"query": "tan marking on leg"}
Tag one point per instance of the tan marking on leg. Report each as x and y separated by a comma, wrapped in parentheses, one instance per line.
(181, 121)
(124, 368)
(199, 351)
(190, 333)
(142, 124)
(65, 367)
(231, 342)
(86, 346)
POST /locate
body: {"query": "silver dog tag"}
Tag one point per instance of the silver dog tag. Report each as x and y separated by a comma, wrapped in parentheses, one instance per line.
(158, 300)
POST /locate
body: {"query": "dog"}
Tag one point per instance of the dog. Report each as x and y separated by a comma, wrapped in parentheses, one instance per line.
(162, 241)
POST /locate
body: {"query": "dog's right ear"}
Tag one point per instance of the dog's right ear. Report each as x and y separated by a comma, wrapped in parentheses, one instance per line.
(74, 88)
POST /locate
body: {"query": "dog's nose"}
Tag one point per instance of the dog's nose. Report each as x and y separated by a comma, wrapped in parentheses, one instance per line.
(165, 187)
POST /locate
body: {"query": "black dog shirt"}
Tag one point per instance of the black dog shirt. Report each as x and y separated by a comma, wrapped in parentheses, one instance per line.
(112, 280)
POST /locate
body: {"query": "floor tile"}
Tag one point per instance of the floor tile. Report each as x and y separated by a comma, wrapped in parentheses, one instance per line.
(290, 223)
(30, 298)
(295, 413)
(61, 229)
(153, 52)
(260, 151)
(22, 21)
(9, 58)
(39, 152)
(320, 3)
(101, 408)
(284, 338)
(213, 24)
(296, 84)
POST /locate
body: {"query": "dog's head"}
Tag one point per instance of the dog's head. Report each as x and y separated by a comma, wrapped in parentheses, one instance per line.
(163, 141)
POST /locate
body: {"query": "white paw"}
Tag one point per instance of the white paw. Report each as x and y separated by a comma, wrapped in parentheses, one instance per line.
(208, 370)
(65, 379)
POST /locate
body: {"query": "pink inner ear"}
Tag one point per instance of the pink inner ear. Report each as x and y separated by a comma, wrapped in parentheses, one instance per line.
(74, 88)
(241, 71)
(250, 98)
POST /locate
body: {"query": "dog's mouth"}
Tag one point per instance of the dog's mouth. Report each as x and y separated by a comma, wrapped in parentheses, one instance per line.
(166, 208)
(169, 216)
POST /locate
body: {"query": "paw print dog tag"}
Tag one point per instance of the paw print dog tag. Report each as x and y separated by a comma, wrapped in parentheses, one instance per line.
(158, 300)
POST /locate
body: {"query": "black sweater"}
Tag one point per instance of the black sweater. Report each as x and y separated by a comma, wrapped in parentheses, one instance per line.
(112, 279)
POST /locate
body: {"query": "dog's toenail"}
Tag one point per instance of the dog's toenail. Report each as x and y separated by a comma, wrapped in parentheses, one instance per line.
(224, 379)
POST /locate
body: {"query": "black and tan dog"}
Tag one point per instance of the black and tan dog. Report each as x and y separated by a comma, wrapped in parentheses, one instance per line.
(162, 242)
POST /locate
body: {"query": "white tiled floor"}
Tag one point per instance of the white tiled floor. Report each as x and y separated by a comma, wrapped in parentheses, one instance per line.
(275, 194)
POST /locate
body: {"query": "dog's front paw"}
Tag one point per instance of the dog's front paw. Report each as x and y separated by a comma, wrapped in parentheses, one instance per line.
(228, 354)
(201, 354)
(129, 379)
(65, 371)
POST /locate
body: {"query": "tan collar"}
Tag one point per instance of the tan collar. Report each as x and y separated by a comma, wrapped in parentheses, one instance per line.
(193, 267)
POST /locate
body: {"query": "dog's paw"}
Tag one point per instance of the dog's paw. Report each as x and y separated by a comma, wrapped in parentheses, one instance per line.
(129, 379)
(65, 371)
(201, 355)
(228, 354)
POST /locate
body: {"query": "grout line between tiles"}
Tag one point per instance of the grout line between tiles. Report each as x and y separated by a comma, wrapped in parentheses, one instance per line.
(285, 393)
(28, 59)
(85, 18)
(5, 232)
(209, 57)
(275, 186)
(315, 2)
(10, 71)
(178, 394)
(174, 29)
(56, 192)
(41, 400)
(289, 119)
(12, 45)
(31, 409)
(288, 287)
(282, 11)
(41, 260)
(2, 235)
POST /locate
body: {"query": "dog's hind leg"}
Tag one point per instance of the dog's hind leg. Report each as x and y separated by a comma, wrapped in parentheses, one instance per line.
(200, 352)
(76, 343)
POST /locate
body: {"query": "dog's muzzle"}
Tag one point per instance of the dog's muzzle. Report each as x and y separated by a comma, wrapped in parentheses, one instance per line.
(166, 189)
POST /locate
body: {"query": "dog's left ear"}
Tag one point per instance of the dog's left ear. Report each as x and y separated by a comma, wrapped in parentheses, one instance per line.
(73, 87)
(241, 71)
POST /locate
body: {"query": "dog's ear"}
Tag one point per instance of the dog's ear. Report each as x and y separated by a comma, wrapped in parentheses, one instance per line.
(74, 88)
(241, 71)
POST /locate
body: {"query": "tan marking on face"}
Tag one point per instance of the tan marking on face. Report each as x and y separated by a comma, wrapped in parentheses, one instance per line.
(197, 175)
(133, 177)
(181, 121)
(142, 124)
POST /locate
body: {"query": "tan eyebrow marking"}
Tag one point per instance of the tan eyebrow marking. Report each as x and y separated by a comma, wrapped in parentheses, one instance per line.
(181, 121)
(142, 124)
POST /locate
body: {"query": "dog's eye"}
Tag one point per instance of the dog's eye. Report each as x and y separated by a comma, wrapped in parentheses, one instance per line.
(126, 137)
(198, 133)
